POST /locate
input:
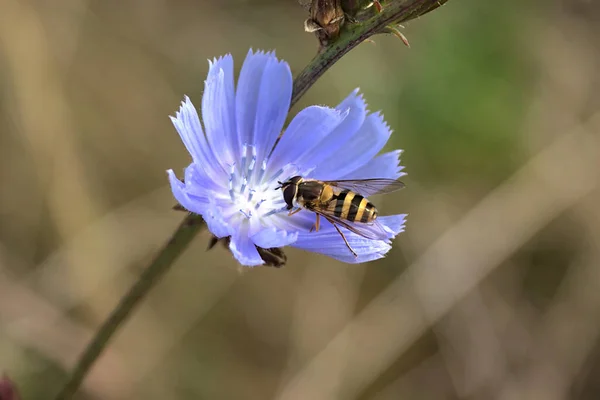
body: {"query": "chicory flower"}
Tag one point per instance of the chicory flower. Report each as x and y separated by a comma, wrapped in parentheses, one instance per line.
(233, 178)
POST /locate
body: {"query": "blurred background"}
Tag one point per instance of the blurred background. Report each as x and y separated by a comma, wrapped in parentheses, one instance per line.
(493, 291)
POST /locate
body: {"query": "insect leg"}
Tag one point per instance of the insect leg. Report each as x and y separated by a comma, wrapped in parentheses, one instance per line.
(292, 212)
(316, 225)
(342, 235)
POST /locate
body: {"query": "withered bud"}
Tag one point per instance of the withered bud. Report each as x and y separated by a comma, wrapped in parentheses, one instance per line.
(326, 19)
(359, 11)
(353, 7)
(179, 207)
(8, 390)
(273, 257)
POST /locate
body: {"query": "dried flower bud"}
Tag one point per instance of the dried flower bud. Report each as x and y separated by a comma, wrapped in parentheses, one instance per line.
(353, 7)
(326, 19)
(8, 390)
(179, 207)
(359, 11)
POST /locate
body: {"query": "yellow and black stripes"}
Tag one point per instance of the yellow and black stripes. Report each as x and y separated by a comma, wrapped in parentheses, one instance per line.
(352, 207)
(369, 213)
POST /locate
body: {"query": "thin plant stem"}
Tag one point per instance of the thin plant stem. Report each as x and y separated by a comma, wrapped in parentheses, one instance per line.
(394, 12)
(185, 233)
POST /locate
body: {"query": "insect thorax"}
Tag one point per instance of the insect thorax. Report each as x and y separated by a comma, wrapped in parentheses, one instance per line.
(314, 192)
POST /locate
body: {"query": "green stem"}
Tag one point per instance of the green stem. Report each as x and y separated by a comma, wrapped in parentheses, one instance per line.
(396, 11)
(182, 237)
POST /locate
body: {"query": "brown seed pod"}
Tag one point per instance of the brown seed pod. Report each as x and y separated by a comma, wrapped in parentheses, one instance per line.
(326, 19)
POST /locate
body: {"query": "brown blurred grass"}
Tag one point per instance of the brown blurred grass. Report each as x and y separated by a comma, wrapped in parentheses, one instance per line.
(491, 292)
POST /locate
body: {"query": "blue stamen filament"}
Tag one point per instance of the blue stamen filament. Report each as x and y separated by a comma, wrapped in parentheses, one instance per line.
(231, 183)
(276, 211)
(259, 203)
(244, 158)
(261, 173)
(247, 214)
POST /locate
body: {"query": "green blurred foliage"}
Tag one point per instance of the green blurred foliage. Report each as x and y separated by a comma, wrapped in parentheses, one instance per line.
(465, 97)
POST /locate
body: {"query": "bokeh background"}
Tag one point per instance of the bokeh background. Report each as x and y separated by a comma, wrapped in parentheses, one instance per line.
(493, 291)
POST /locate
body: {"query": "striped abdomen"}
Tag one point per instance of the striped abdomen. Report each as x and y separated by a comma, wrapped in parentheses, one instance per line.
(352, 207)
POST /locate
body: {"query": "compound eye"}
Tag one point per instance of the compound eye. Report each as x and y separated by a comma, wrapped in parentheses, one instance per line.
(289, 194)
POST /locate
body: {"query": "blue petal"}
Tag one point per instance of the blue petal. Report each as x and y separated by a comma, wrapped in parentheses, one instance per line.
(218, 110)
(329, 242)
(188, 126)
(273, 105)
(304, 134)
(197, 181)
(247, 95)
(356, 107)
(193, 203)
(356, 152)
(394, 224)
(272, 237)
(383, 166)
(243, 249)
(215, 222)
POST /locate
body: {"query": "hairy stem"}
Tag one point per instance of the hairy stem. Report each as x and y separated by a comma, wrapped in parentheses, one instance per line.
(395, 11)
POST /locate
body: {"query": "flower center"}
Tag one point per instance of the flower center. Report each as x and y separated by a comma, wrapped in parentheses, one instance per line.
(252, 192)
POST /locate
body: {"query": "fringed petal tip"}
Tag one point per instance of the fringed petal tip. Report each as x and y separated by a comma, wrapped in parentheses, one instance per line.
(393, 224)
(381, 123)
(357, 97)
(267, 55)
(228, 58)
(260, 52)
(399, 169)
(185, 115)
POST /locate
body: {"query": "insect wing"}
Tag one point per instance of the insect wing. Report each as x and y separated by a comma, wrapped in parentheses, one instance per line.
(369, 187)
(373, 230)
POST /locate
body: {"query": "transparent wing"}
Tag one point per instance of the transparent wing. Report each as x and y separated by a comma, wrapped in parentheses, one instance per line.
(372, 230)
(368, 187)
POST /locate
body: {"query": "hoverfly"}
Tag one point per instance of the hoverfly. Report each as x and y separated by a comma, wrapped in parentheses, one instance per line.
(342, 203)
